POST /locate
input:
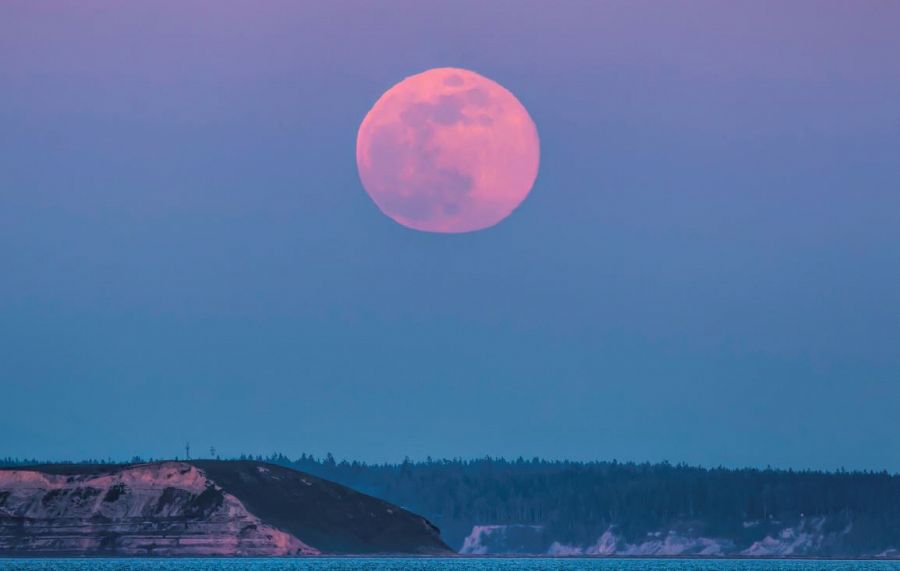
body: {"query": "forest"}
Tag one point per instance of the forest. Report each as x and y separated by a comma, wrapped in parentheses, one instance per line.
(578, 501)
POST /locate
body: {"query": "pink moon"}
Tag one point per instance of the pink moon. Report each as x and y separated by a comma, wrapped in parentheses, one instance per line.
(447, 150)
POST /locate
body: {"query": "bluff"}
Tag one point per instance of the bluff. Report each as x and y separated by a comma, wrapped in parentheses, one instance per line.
(198, 508)
(496, 506)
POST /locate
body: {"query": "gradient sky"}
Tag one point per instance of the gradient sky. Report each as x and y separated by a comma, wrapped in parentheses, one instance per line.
(707, 269)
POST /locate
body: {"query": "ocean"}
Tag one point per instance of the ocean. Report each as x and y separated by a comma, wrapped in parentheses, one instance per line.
(443, 564)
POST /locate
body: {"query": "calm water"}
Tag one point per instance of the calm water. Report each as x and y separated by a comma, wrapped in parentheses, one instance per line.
(386, 564)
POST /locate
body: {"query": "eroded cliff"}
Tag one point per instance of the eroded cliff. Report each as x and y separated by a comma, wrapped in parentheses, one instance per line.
(177, 508)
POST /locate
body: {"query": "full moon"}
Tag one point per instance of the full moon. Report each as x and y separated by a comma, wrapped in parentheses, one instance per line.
(447, 150)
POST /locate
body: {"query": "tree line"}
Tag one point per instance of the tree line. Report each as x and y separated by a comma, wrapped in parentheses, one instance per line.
(577, 501)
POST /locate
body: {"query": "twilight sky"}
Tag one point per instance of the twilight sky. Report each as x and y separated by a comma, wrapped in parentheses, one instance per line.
(707, 269)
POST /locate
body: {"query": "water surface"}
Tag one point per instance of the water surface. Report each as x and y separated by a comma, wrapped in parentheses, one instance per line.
(428, 564)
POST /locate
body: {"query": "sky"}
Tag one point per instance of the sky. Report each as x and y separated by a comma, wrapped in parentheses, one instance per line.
(707, 269)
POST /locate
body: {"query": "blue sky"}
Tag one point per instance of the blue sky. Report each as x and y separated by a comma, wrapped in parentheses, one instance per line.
(707, 269)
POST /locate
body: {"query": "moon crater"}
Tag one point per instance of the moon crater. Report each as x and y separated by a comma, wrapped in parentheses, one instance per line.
(447, 150)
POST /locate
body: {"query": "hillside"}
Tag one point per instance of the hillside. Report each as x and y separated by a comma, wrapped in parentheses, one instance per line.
(495, 506)
(604, 508)
(197, 508)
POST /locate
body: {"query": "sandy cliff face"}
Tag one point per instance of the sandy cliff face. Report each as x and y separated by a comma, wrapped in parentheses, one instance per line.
(199, 508)
(657, 544)
(808, 537)
(504, 539)
(168, 508)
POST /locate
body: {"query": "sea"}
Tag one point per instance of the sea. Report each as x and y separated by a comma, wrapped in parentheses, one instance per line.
(444, 564)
